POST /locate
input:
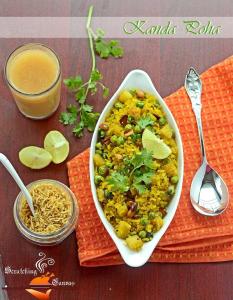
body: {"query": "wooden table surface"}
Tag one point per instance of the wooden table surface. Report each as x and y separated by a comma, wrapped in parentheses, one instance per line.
(166, 60)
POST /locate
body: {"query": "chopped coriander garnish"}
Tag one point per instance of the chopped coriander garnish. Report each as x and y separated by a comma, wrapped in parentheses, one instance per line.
(141, 188)
(143, 122)
(119, 182)
(143, 158)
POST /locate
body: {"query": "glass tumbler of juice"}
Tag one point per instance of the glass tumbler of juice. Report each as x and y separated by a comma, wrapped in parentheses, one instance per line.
(33, 74)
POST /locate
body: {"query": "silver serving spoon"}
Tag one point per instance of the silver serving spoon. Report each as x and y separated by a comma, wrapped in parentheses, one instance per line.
(209, 193)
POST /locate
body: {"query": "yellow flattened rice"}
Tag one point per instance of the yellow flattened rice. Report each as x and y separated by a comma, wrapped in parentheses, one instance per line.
(133, 187)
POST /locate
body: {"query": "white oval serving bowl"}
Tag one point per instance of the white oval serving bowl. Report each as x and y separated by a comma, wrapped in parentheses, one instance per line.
(138, 79)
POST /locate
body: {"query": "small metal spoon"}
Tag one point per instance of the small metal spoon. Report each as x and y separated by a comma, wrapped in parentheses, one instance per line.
(209, 193)
(6, 163)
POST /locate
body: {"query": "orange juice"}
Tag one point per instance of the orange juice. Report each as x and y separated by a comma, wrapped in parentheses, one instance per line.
(34, 77)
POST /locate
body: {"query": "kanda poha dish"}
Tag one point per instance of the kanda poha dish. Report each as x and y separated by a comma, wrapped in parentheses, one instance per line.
(135, 168)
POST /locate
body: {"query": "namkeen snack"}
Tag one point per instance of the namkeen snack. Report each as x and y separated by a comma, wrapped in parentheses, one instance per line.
(136, 169)
(52, 205)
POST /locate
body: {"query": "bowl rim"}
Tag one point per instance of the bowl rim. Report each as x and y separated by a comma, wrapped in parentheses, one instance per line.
(132, 259)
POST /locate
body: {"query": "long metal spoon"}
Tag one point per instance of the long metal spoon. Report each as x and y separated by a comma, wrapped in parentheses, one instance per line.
(4, 160)
(209, 193)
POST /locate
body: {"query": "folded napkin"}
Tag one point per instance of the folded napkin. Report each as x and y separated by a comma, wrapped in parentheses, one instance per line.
(190, 237)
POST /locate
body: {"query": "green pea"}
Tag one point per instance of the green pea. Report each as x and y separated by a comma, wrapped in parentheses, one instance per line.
(151, 215)
(102, 133)
(144, 221)
(105, 155)
(108, 194)
(118, 105)
(109, 164)
(120, 140)
(113, 139)
(142, 234)
(103, 170)
(128, 126)
(98, 146)
(98, 179)
(140, 104)
(171, 190)
(99, 152)
(174, 179)
(162, 121)
(137, 129)
(133, 233)
(145, 239)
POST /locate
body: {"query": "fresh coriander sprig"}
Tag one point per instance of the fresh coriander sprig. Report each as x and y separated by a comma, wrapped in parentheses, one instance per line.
(142, 171)
(82, 116)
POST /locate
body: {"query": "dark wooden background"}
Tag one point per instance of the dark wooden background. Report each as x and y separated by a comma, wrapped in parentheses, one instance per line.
(166, 61)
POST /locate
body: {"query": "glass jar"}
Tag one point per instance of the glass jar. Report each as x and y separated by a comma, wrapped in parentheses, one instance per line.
(33, 74)
(54, 237)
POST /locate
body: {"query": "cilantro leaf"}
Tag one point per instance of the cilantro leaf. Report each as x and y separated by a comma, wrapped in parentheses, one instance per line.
(140, 182)
(96, 75)
(143, 122)
(141, 188)
(147, 158)
(119, 182)
(78, 129)
(115, 49)
(145, 177)
(80, 95)
(137, 161)
(72, 109)
(105, 49)
(69, 117)
(117, 52)
(89, 119)
(143, 158)
(87, 108)
(73, 82)
(102, 48)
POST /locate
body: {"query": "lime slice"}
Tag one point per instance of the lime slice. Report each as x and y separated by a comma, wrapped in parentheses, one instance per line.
(35, 157)
(155, 145)
(57, 145)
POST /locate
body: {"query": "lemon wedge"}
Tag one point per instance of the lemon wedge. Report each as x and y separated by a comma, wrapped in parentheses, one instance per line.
(155, 145)
(35, 157)
(57, 145)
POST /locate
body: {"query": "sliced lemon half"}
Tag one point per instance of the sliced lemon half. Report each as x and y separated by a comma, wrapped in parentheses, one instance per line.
(57, 145)
(35, 157)
(155, 145)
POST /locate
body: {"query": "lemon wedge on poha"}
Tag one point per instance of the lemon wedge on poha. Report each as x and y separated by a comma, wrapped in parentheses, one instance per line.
(155, 145)
(35, 157)
(57, 145)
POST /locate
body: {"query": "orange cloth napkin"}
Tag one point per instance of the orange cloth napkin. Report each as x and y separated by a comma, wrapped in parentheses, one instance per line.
(190, 237)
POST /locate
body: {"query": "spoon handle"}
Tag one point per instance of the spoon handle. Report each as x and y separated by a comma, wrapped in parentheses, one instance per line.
(193, 88)
(7, 164)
